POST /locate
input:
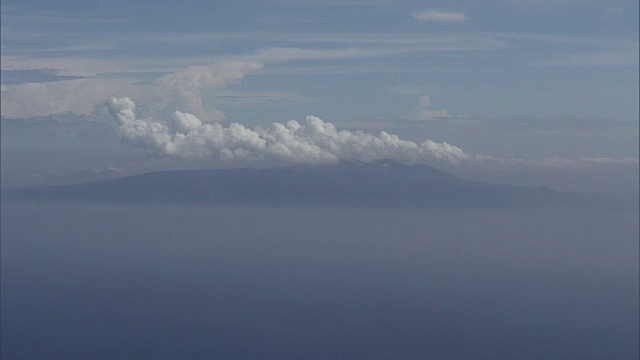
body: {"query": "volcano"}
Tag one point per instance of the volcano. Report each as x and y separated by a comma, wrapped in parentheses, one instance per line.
(382, 183)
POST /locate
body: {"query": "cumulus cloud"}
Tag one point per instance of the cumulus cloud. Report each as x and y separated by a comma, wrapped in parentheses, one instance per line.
(182, 89)
(435, 15)
(424, 111)
(312, 141)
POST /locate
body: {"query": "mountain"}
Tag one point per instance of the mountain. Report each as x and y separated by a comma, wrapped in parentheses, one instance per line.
(383, 183)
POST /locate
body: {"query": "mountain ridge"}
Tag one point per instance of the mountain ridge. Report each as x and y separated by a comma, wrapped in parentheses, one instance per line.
(380, 183)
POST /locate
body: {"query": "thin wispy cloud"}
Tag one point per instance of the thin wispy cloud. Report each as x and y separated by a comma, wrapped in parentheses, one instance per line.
(259, 98)
(40, 17)
(13, 77)
(330, 3)
(437, 15)
(81, 60)
(608, 58)
(280, 54)
(558, 162)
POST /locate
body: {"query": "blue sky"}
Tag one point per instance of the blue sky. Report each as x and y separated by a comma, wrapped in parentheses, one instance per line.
(345, 60)
(532, 79)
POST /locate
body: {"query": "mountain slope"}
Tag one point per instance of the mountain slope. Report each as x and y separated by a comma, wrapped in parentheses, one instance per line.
(383, 183)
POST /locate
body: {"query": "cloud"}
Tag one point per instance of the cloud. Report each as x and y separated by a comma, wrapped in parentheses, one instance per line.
(183, 89)
(257, 98)
(330, 3)
(602, 58)
(13, 77)
(286, 54)
(313, 141)
(558, 162)
(435, 15)
(424, 112)
(41, 99)
(179, 90)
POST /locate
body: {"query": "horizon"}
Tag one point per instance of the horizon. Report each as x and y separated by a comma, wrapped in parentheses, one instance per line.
(394, 179)
(496, 90)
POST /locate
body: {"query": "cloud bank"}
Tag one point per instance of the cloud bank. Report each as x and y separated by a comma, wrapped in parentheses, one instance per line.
(434, 15)
(23, 96)
(313, 141)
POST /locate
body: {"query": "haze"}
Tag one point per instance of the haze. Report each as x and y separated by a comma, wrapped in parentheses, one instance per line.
(521, 94)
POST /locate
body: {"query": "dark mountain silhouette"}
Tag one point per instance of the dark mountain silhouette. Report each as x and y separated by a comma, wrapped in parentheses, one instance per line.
(382, 183)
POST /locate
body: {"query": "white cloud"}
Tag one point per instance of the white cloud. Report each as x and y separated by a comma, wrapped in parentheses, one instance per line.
(424, 111)
(183, 89)
(41, 99)
(313, 141)
(180, 90)
(603, 58)
(436, 15)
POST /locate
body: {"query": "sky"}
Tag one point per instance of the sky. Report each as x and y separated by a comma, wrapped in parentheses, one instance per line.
(540, 83)
(529, 92)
